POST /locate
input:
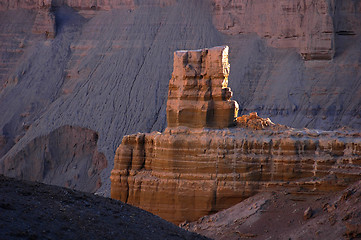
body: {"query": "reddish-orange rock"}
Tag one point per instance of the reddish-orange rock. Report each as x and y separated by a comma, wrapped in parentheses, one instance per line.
(253, 121)
(191, 170)
(198, 94)
(183, 173)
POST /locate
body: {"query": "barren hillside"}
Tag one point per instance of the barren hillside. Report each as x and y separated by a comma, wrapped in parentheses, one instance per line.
(37, 211)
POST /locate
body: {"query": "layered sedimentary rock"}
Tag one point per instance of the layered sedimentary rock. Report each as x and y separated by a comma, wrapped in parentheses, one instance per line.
(183, 174)
(305, 25)
(79, 78)
(81, 4)
(191, 170)
(198, 94)
(66, 157)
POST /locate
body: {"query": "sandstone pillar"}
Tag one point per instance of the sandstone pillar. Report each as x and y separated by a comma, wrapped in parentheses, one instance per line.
(198, 94)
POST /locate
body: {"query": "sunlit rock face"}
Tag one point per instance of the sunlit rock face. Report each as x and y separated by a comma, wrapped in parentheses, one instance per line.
(183, 174)
(198, 94)
(191, 169)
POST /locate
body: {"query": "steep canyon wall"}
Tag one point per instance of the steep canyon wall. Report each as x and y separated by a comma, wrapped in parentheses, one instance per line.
(307, 26)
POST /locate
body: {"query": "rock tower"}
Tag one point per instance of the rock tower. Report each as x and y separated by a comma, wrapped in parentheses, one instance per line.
(194, 168)
(198, 94)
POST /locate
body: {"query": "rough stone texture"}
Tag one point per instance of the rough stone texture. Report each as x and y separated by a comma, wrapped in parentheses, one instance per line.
(308, 213)
(253, 121)
(66, 157)
(279, 215)
(198, 95)
(305, 25)
(183, 174)
(109, 71)
(189, 171)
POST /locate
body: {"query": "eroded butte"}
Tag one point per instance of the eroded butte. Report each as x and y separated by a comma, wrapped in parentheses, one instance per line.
(203, 162)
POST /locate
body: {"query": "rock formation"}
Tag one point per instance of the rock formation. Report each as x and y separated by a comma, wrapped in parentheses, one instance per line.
(191, 170)
(109, 71)
(305, 25)
(253, 121)
(198, 94)
(67, 157)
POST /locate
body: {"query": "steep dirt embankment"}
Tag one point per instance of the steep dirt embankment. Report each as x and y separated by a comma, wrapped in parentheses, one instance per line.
(67, 157)
(38, 211)
(191, 170)
(287, 215)
(109, 70)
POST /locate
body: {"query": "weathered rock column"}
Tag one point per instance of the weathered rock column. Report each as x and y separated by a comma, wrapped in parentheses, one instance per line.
(191, 169)
(198, 94)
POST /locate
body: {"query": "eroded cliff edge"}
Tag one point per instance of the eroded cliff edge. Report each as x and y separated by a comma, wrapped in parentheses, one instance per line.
(195, 167)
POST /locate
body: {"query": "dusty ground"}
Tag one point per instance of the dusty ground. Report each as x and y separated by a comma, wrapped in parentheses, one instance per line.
(280, 215)
(37, 211)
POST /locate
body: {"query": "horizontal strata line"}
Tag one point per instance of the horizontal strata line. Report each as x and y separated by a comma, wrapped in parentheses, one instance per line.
(211, 181)
(238, 160)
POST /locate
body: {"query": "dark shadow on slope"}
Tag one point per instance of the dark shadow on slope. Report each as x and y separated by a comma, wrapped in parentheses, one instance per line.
(67, 157)
(67, 16)
(346, 26)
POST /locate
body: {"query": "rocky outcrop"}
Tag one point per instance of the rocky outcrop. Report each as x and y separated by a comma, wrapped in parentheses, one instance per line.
(198, 94)
(305, 25)
(79, 78)
(183, 174)
(67, 157)
(253, 121)
(191, 170)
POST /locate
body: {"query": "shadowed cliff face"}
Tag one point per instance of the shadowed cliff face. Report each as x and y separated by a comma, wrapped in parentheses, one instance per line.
(305, 25)
(108, 69)
(66, 157)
